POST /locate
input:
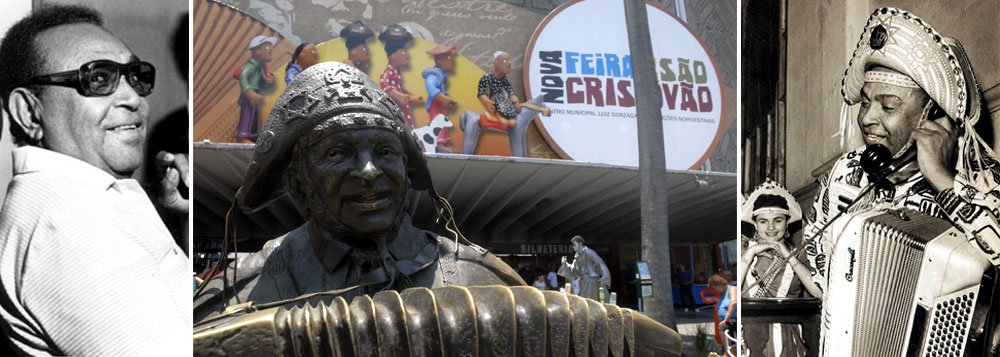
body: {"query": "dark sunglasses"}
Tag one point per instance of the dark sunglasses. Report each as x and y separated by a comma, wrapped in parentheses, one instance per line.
(100, 78)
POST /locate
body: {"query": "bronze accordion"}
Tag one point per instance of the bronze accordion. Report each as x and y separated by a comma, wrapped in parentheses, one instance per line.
(902, 283)
(444, 321)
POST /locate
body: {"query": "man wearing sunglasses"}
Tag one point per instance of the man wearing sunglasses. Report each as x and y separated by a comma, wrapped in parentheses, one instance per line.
(86, 265)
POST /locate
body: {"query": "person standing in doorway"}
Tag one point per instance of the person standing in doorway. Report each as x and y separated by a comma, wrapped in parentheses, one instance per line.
(588, 267)
(685, 280)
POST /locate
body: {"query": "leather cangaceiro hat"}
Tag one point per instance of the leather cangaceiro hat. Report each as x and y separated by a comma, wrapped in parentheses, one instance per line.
(355, 34)
(442, 49)
(395, 37)
(396, 33)
(335, 96)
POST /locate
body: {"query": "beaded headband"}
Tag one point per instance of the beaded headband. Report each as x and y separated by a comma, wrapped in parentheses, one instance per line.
(895, 79)
(763, 210)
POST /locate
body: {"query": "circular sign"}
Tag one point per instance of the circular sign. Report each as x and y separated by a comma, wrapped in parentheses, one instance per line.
(585, 77)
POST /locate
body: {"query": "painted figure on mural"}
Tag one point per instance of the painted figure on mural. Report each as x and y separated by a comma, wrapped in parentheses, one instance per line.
(588, 267)
(303, 57)
(498, 97)
(253, 78)
(396, 38)
(439, 102)
(349, 163)
(928, 103)
(87, 266)
(356, 37)
(774, 267)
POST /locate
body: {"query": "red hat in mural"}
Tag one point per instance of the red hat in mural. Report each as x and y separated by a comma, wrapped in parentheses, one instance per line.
(442, 49)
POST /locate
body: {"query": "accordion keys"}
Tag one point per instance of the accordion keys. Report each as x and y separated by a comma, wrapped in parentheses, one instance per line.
(902, 283)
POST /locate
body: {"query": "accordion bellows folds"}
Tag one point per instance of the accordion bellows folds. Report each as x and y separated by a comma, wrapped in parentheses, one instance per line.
(444, 321)
(902, 283)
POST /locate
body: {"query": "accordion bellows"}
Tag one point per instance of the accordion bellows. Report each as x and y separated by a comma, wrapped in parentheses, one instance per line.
(903, 283)
(445, 321)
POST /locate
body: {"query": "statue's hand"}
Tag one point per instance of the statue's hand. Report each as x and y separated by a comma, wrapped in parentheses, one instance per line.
(254, 98)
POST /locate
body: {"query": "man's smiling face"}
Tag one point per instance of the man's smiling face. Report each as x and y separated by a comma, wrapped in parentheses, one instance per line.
(108, 132)
(889, 113)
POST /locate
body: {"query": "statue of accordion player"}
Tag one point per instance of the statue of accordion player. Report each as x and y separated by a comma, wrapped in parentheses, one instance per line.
(903, 236)
(358, 278)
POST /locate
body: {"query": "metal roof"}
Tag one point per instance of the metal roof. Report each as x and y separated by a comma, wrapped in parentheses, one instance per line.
(499, 200)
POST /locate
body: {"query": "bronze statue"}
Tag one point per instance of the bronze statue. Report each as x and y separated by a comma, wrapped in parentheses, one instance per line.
(588, 267)
(338, 145)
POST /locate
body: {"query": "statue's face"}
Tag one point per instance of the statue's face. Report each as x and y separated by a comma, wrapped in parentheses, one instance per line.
(263, 52)
(502, 64)
(400, 58)
(360, 177)
(446, 61)
(308, 57)
(359, 56)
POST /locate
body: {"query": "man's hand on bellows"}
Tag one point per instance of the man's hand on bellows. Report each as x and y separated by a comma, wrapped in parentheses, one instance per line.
(173, 168)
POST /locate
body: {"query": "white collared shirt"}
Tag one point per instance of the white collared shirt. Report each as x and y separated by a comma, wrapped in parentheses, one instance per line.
(86, 265)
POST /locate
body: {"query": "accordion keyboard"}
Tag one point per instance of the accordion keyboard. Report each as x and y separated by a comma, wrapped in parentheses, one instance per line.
(900, 283)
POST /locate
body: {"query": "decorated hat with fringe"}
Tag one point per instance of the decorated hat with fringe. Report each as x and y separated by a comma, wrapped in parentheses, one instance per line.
(770, 188)
(900, 41)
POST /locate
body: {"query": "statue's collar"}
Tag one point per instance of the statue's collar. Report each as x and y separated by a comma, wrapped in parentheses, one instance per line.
(408, 243)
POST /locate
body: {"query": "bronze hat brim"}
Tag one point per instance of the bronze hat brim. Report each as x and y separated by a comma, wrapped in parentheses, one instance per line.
(323, 91)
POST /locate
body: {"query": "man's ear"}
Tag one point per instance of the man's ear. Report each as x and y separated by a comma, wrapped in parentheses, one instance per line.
(25, 113)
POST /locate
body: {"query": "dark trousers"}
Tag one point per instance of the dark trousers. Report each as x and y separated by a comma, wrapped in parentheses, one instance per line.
(249, 122)
(687, 296)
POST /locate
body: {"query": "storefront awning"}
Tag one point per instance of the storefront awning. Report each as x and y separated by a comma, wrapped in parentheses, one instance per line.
(498, 200)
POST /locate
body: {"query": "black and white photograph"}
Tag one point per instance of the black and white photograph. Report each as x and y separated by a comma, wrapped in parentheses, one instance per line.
(94, 174)
(870, 178)
(774, 178)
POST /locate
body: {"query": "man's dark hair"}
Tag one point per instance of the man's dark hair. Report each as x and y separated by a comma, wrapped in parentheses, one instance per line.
(577, 239)
(19, 53)
(179, 45)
